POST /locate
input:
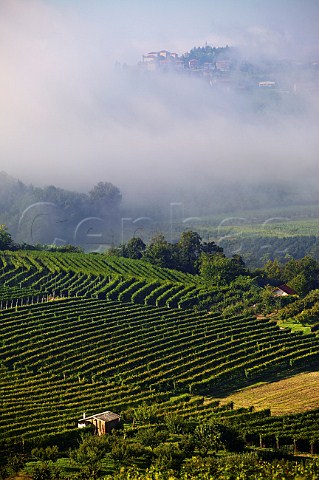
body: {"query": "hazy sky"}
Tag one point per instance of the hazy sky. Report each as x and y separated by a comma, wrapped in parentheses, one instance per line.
(68, 118)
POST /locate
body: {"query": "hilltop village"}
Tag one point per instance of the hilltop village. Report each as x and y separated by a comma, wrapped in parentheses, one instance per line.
(225, 66)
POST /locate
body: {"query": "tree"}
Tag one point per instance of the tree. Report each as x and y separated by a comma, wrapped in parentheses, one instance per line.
(160, 252)
(189, 250)
(105, 193)
(214, 436)
(127, 452)
(151, 436)
(6, 242)
(300, 283)
(46, 471)
(134, 248)
(273, 270)
(105, 198)
(15, 463)
(208, 437)
(187, 444)
(46, 454)
(144, 413)
(211, 247)
(219, 270)
(302, 275)
(174, 423)
(89, 456)
(68, 248)
(168, 457)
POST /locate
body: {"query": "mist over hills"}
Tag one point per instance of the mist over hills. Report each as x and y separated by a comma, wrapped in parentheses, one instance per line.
(156, 134)
(216, 129)
(54, 215)
(71, 116)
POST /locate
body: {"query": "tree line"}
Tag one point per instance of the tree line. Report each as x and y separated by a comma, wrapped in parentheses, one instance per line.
(190, 255)
(44, 215)
(194, 256)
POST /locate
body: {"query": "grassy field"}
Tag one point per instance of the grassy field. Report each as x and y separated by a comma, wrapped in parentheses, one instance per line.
(291, 213)
(274, 227)
(292, 395)
(294, 327)
(278, 222)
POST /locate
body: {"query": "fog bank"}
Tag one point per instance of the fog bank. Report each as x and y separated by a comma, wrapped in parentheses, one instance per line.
(71, 116)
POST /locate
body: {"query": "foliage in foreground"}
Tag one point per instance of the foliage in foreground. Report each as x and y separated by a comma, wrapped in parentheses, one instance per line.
(248, 466)
(236, 467)
(212, 451)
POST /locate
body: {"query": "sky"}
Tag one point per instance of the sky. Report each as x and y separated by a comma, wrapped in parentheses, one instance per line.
(71, 115)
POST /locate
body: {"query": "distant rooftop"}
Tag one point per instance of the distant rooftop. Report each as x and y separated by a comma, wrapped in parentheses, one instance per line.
(286, 289)
(105, 416)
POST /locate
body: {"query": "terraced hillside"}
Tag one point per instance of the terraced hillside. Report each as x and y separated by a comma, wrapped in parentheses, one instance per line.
(85, 333)
(30, 276)
(89, 264)
(61, 358)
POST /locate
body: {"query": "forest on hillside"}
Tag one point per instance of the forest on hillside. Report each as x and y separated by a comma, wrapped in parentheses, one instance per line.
(102, 218)
(53, 215)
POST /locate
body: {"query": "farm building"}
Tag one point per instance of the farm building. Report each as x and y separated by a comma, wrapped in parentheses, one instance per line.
(284, 290)
(103, 422)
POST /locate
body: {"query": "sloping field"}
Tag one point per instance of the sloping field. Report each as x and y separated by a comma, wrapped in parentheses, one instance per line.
(62, 358)
(296, 394)
(22, 261)
(31, 276)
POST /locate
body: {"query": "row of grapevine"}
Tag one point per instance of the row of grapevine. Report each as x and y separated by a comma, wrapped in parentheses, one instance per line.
(14, 293)
(301, 431)
(96, 264)
(117, 287)
(61, 358)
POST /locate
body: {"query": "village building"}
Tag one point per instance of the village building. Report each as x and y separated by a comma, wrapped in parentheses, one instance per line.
(223, 65)
(161, 59)
(103, 422)
(266, 84)
(283, 291)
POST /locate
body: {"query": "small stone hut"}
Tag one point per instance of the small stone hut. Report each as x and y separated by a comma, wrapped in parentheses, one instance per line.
(103, 422)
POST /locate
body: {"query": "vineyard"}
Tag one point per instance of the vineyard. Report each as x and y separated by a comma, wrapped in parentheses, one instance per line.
(67, 356)
(87, 263)
(84, 333)
(32, 276)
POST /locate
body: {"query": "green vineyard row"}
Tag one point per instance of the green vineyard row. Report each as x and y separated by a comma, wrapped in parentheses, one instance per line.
(70, 355)
(89, 264)
(28, 284)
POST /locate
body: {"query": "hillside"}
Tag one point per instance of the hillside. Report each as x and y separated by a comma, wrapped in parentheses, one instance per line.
(37, 275)
(295, 394)
(52, 214)
(259, 220)
(75, 355)
(85, 333)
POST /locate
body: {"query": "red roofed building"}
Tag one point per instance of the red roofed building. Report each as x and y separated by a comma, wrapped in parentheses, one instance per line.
(284, 290)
